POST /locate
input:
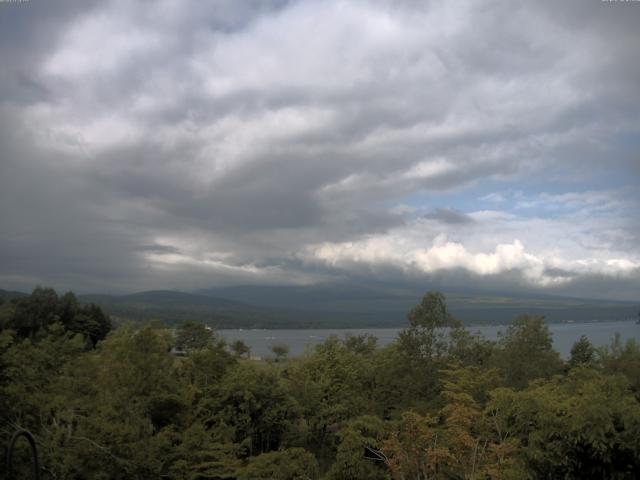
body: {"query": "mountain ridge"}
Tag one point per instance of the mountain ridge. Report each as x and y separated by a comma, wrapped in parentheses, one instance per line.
(337, 306)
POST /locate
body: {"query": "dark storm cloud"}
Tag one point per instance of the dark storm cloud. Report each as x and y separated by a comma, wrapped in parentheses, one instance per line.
(169, 143)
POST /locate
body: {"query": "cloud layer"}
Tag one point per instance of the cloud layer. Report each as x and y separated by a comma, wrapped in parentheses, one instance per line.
(189, 144)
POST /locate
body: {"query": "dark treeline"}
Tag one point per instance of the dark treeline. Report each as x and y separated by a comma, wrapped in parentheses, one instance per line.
(438, 403)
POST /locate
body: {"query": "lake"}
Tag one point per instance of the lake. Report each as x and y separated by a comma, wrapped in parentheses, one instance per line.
(300, 341)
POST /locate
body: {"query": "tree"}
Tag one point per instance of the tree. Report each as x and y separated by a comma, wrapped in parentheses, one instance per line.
(125, 404)
(253, 406)
(201, 453)
(280, 350)
(7, 311)
(429, 324)
(470, 349)
(412, 366)
(431, 312)
(453, 443)
(358, 456)
(192, 335)
(474, 381)
(414, 451)
(584, 425)
(361, 344)
(33, 316)
(289, 464)
(239, 348)
(622, 358)
(35, 313)
(205, 367)
(583, 353)
(526, 352)
(331, 386)
(91, 322)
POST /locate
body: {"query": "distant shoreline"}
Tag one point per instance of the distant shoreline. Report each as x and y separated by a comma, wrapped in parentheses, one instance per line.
(300, 339)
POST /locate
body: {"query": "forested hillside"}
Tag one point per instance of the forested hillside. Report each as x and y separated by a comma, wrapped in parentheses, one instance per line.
(336, 306)
(438, 403)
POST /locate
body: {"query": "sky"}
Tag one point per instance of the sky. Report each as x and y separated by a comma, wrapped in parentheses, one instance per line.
(487, 145)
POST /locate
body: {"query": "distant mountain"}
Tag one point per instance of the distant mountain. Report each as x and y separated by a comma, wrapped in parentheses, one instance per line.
(389, 305)
(10, 294)
(172, 308)
(339, 306)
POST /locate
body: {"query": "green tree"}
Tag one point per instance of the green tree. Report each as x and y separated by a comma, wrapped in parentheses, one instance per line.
(91, 322)
(474, 381)
(470, 349)
(280, 350)
(7, 311)
(623, 358)
(35, 313)
(239, 348)
(27, 371)
(358, 455)
(583, 353)
(289, 464)
(361, 344)
(331, 386)
(192, 336)
(410, 371)
(201, 453)
(204, 368)
(526, 352)
(585, 425)
(32, 316)
(253, 405)
(426, 338)
(431, 312)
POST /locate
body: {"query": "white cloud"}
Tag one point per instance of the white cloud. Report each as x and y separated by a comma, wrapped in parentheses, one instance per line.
(548, 245)
(494, 197)
(99, 45)
(430, 169)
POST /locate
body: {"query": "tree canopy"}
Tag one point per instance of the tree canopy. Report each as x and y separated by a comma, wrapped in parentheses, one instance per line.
(438, 403)
(33, 316)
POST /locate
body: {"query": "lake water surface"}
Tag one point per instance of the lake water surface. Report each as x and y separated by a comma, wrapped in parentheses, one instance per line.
(300, 341)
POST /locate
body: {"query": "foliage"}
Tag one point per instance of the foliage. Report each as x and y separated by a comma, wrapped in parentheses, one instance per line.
(413, 451)
(456, 442)
(280, 350)
(624, 359)
(424, 347)
(585, 425)
(526, 352)
(33, 316)
(331, 386)
(426, 337)
(358, 454)
(290, 464)
(583, 353)
(362, 344)
(252, 405)
(239, 348)
(192, 336)
(439, 403)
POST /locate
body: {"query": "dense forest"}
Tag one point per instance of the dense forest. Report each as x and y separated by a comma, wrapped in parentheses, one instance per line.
(439, 403)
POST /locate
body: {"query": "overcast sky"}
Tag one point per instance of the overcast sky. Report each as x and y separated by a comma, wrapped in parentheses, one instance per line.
(176, 144)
